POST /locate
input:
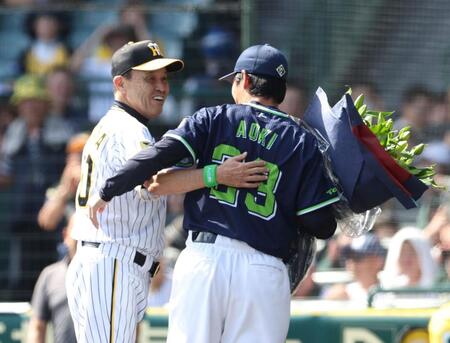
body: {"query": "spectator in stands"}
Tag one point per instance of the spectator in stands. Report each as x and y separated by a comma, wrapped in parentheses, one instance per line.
(446, 265)
(132, 13)
(47, 48)
(217, 49)
(49, 302)
(438, 233)
(385, 226)
(7, 115)
(63, 101)
(174, 234)
(444, 247)
(307, 287)
(416, 104)
(438, 117)
(371, 94)
(329, 257)
(161, 285)
(32, 158)
(60, 201)
(364, 258)
(92, 60)
(175, 238)
(437, 153)
(439, 220)
(409, 262)
(175, 207)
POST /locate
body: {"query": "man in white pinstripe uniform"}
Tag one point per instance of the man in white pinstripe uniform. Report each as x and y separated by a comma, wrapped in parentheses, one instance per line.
(107, 280)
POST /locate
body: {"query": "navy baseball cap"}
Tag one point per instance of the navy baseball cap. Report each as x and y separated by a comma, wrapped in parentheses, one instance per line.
(144, 55)
(262, 60)
(366, 245)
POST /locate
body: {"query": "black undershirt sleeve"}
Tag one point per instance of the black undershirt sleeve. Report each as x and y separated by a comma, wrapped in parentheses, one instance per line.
(164, 154)
(320, 223)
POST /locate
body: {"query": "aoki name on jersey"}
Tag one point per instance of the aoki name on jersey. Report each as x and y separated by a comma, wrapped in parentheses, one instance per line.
(255, 133)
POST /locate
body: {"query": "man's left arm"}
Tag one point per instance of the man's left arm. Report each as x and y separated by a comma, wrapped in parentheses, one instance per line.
(37, 330)
(233, 172)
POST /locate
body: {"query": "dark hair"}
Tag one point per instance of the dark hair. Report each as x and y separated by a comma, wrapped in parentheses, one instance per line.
(120, 30)
(61, 17)
(359, 82)
(414, 92)
(265, 86)
(127, 74)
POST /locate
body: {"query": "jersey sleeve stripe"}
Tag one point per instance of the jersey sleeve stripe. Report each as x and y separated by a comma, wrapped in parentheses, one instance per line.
(185, 143)
(316, 207)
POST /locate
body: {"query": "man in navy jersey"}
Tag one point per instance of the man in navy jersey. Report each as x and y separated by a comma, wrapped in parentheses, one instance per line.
(230, 283)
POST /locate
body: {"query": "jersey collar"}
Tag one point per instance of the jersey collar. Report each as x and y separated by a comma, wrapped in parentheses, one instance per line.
(267, 109)
(131, 111)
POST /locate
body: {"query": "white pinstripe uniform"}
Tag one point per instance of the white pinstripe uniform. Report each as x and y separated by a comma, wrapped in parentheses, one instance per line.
(107, 289)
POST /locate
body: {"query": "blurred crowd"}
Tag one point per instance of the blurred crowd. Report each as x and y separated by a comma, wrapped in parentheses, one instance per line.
(60, 91)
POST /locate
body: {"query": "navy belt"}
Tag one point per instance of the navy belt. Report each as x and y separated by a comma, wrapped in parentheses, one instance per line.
(139, 258)
(204, 237)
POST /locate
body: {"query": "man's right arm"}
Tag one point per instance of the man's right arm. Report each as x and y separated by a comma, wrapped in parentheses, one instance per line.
(164, 154)
(233, 172)
(37, 328)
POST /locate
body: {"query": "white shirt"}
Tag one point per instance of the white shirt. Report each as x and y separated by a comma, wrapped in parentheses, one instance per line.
(134, 219)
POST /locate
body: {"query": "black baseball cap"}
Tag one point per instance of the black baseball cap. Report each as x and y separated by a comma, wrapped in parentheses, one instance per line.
(144, 55)
(262, 60)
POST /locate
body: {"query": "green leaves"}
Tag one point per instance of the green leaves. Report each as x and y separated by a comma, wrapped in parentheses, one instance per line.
(395, 142)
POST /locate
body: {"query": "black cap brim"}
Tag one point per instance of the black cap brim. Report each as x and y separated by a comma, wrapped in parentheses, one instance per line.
(229, 77)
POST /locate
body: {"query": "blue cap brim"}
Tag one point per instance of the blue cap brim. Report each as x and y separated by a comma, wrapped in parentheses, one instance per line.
(229, 77)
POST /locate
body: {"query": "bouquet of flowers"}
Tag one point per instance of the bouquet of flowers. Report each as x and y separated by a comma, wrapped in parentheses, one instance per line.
(395, 142)
(368, 161)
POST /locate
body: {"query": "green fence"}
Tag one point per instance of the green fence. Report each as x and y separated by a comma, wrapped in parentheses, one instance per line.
(334, 326)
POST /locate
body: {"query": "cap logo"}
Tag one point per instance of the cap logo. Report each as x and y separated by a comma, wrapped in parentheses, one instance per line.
(154, 48)
(280, 70)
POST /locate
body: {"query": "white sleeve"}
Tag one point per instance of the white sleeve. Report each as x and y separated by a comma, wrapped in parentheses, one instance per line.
(125, 146)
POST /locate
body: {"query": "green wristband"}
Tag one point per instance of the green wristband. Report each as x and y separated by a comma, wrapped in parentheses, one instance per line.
(209, 175)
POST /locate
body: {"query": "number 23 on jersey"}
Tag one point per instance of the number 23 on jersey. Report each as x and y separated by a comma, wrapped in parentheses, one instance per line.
(264, 204)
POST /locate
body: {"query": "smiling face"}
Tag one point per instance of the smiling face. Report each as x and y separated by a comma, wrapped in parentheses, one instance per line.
(145, 91)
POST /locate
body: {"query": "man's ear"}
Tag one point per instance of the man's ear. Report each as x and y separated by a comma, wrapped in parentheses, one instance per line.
(246, 81)
(118, 82)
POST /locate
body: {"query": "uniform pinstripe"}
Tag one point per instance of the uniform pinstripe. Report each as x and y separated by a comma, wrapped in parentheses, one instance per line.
(133, 219)
(107, 291)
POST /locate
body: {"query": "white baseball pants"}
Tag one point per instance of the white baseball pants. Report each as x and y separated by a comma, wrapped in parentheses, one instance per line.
(228, 292)
(107, 295)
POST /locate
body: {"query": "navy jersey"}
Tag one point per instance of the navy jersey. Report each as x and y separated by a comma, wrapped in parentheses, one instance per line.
(266, 217)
